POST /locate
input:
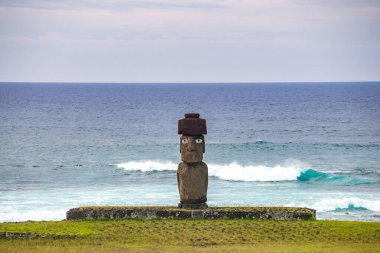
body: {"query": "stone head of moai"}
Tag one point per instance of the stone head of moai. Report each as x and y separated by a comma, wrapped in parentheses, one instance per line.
(192, 148)
(192, 141)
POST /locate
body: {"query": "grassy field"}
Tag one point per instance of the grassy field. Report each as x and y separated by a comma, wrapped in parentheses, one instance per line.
(194, 235)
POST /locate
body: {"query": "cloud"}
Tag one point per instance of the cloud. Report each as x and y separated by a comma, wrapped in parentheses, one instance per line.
(117, 5)
(342, 3)
(205, 39)
(232, 25)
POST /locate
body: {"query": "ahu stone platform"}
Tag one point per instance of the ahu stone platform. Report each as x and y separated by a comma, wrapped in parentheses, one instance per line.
(167, 212)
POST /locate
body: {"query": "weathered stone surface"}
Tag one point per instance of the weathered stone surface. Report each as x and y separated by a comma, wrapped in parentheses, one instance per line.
(192, 181)
(193, 206)
(262, 213)
(192, 148)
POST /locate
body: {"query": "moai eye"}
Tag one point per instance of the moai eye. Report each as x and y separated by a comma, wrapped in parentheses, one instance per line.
(198, 141)
(184, 141)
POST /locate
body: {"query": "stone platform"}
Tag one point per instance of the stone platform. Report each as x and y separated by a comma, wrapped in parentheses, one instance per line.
(167, 212)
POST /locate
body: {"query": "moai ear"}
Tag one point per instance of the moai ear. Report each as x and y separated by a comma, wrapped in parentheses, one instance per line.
(204, 146)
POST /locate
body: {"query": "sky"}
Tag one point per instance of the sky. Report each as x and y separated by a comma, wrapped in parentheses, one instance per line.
(189, 41)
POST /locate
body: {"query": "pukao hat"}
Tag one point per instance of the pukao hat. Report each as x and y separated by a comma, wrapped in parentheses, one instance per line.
(192, 125)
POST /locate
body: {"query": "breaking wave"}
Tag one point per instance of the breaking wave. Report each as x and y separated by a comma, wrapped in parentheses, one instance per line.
(289, 171)
(347, 204)
(145, 166)
(236, 172)
(34, 215)
(314, 175)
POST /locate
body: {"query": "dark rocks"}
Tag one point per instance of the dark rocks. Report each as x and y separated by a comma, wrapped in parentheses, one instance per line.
(261, 213)
(193, 206)
(12, 235)
(18, 235)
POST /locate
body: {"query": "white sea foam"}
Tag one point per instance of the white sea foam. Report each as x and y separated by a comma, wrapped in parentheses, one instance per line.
(147, 166)
(237, 172)
(332, 204)
(35, 215)
(232, 172)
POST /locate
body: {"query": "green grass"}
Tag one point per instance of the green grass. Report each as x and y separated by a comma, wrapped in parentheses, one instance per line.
(195, 235)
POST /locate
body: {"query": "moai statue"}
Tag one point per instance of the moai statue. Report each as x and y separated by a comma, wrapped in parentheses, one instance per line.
(192, 173)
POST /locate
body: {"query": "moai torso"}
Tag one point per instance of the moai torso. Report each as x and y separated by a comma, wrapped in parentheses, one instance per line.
(192, 182)
(192, 173)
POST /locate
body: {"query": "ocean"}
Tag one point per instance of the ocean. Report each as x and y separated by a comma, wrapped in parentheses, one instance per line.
(65, 145)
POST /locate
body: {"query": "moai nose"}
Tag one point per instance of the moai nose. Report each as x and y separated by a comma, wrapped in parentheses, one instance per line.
(191, 146)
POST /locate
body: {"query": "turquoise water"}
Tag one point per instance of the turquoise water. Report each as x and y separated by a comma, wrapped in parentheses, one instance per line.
(310, 145)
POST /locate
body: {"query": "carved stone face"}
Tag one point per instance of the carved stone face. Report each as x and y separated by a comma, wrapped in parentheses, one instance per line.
(192, 148)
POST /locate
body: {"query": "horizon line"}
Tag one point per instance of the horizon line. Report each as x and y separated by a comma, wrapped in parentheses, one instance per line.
(265, 82)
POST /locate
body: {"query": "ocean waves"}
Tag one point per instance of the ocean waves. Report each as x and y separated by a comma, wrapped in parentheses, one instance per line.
(287, 171)
(344, 204)
(317, 145)
(237, 172)
(145, 166)
(33, 215)
(313, 175)
(290, 171)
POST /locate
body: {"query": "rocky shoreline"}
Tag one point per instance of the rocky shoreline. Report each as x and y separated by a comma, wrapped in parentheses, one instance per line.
(167, 212)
